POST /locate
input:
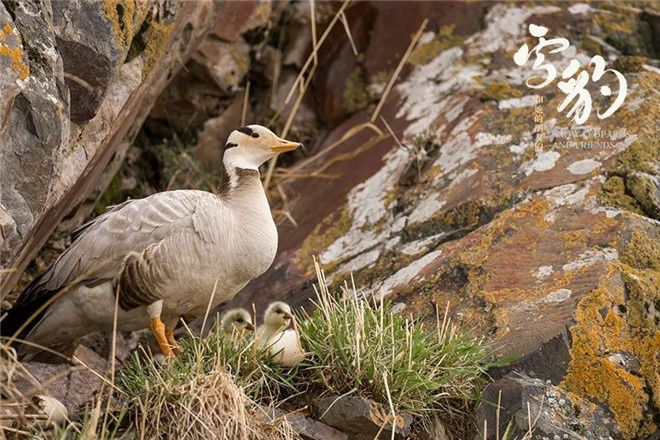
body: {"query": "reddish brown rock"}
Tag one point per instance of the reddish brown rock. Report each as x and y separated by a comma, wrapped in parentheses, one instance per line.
(520, 238)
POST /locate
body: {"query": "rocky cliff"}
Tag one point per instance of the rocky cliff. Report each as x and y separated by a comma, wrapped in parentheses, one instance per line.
(466, 187)
(549, 249)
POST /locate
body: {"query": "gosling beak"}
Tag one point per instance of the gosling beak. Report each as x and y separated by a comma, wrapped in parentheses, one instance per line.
(249, 327)
(283, 146)
(287, 316)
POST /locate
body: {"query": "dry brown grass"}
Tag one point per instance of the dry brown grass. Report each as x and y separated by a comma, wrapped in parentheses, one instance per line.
(204, 407)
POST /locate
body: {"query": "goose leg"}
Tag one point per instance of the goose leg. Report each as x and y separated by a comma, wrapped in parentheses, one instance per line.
(176, 348)
(158, 328)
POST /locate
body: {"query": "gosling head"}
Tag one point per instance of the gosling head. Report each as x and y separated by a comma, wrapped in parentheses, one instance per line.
(278, 315)
(237, 320)
(252, 145)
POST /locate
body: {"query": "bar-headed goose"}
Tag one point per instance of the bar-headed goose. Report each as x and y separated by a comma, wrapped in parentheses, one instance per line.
(282, 344)
(164, 256)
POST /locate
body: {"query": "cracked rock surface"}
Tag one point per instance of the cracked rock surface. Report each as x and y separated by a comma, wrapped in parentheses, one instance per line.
(551, 252)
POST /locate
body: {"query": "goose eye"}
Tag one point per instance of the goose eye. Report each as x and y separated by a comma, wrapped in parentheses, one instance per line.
(239, 320)
(255, 135)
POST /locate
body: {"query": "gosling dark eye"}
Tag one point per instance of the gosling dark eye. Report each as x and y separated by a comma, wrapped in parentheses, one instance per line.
(255, 135)
(239, 320)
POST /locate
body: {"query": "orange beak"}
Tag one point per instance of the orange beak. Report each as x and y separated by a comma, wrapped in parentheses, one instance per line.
(283, 146)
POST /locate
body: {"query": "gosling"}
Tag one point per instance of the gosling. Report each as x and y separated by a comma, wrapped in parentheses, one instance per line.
(236, 320)
(282, 344)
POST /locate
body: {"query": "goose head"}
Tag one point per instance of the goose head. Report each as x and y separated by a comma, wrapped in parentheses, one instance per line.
(238, 320)
(252, 145)
(278, 315)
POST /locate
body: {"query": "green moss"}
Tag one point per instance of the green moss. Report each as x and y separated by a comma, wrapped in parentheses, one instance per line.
(445, 39)
(640, 156)
(156, 38)
(355, 95)
(499, 91)
(629, 64)
(625, 31)
(642, 251)
(591, 46)
(614, 194)
(644, 189)
(324, 234)
(625, 187)
(467, 215)
(111, 196)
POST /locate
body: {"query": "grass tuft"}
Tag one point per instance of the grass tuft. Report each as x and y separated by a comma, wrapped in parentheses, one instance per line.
(212, 390)
(354, 347)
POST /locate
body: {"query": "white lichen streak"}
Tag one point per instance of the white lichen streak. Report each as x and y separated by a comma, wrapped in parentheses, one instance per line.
(522, 102)
(543, 162)
(557, 296)
(543, 272)
(425, 210)
(417, 246)
(583, 166)
(590, 257)
(566, 194)
(506, 28)
(426, 92)
(580, 8)
(459, 149)
(366, 205)
(403, 277)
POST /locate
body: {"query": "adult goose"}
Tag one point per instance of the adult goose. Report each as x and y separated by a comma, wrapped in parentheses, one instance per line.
(160, 258)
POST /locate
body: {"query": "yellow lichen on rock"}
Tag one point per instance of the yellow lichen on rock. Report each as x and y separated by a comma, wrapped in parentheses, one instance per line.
(120, 13)
(641, 252)
(500, 91)
(613, 355)
(156, 37)
(426, 52)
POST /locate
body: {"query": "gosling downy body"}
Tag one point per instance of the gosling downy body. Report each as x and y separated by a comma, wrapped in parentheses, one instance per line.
(164, 256)
(282, 343)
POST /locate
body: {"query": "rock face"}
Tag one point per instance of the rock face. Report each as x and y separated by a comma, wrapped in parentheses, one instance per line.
(543, 237)
(77, 80)
(541, 233)
(362, 419)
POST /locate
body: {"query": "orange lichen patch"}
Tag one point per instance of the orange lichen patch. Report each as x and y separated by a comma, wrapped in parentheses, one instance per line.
(16, 56)
(573, 239)
(537, 207)
(3, 37)
(8, 29)
(606, 225)
(604, 334)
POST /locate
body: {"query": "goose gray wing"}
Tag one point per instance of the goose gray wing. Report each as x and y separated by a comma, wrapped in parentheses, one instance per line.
(134, 231)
